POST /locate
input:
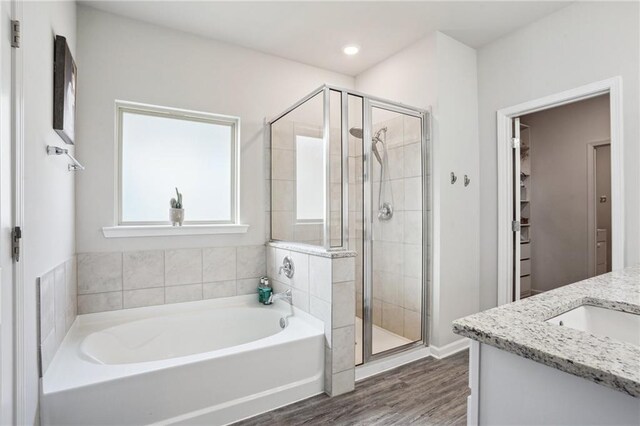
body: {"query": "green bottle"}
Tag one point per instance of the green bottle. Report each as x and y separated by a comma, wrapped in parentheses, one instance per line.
(264, 291)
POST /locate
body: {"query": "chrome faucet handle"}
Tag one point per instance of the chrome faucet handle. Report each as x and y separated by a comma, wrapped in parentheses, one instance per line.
(287, 267)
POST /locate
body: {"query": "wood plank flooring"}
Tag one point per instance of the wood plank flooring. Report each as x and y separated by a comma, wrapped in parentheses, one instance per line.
(426, 392)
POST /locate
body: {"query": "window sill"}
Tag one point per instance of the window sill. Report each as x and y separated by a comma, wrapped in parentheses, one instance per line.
(168, 230)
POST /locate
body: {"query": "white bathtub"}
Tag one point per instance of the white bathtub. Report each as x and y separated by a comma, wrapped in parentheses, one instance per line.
(207, 362)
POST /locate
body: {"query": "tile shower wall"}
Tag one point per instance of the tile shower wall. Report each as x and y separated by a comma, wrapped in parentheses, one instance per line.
(397, 243)
(283, 181)
(56, 309)
(120, 280)
(281, 185)
(324, 287)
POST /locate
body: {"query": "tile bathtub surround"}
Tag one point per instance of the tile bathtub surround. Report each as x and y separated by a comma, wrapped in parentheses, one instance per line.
(57, 309)
(121, 280)
(323, 285)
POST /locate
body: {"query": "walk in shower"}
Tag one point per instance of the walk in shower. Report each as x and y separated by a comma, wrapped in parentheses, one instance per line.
(350, 171)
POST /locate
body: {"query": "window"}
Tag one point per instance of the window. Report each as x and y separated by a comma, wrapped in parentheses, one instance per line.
(161, 149)
(309, 179)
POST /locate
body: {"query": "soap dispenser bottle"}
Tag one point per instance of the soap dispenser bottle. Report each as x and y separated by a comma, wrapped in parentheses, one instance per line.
(264, 291)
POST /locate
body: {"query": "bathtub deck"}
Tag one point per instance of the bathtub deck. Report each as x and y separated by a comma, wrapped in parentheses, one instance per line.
(428, 391)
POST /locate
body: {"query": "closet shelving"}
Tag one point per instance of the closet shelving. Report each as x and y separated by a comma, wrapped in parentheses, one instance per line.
(525, 211)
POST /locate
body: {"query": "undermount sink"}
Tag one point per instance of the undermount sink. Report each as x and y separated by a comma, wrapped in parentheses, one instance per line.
(602, 322)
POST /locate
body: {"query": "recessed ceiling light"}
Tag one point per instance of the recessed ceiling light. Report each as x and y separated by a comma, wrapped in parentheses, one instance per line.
(351, 49)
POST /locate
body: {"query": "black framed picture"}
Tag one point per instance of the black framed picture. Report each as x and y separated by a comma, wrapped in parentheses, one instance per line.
(64, 91)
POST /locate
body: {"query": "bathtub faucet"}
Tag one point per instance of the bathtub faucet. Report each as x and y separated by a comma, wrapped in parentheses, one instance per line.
(286, 295)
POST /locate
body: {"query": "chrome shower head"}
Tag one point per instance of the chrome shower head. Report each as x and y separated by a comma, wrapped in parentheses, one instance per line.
(356, 132)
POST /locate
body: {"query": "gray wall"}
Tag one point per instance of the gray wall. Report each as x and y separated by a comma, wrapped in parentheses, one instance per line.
(559, 196)
(580, 44)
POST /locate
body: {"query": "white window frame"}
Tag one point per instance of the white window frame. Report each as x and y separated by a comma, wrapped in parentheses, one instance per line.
(136, 229)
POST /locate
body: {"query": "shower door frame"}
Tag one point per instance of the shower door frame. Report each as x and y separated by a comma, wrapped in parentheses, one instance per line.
(369, 102)
(367, 321)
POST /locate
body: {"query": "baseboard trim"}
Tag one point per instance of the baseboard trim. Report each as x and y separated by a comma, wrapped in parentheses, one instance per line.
(450, 349)
(389, 363)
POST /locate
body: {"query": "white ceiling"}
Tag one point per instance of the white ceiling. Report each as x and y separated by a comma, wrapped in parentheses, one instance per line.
(315, 32)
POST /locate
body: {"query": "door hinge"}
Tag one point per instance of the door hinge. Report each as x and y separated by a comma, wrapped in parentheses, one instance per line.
(15, 34)
(515, 225)
(16, 237)
(515, 143)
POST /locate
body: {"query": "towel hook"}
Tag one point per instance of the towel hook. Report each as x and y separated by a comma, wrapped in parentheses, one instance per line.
(56, 150)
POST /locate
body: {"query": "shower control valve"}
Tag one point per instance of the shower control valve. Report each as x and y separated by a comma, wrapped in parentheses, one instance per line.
(287, 267)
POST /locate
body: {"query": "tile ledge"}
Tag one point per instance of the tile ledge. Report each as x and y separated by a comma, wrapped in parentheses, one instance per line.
(311, 249)
(168, 230)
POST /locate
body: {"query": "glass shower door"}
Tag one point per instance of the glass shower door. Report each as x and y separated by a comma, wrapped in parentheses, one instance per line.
(396, 219)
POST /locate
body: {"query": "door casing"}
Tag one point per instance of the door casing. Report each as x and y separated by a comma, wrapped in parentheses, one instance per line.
(504, 125)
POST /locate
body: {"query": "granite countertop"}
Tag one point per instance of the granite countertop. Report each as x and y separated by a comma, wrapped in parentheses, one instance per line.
(520, 328)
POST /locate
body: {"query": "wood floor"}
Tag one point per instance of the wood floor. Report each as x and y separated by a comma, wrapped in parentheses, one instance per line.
(426, 392)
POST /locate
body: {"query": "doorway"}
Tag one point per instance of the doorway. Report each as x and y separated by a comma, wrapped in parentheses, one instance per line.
(554, 221)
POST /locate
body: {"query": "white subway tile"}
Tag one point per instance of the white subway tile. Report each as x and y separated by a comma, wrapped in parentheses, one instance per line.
(47, 305)
(300, 299)
(393, 318)
(143, 269)
(183, 266)
(377, 312)
(219, 289)
(48, 350)
(282, 195)
(413, 193)
(320, 277)
(219, 264)
(271, 261)
(99, 302)
(300, 279)
(322, 310)
(413, 260)
(283, 167)
(413, 227)
(343, 305)
(412, 293)
(99, 272)
(343, 382)
(395, 163)
(343, 269)
(183, 293)
(247, 286)
(412, 129)
(412, 325)
(413, 160)
(143, 297)
(251, 261)
(71, 276)
(343, 349)
(60, 309)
